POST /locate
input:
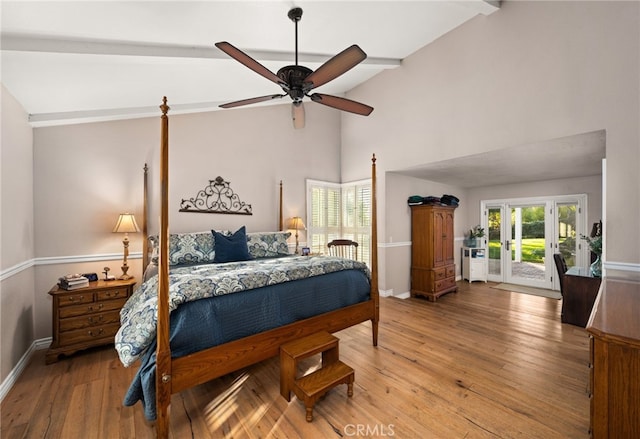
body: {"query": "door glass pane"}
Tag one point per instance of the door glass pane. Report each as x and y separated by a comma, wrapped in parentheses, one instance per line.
(495, 240)
(527, 243)
(566, 230)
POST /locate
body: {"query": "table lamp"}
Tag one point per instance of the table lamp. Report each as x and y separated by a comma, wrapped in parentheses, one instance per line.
(126, 223)
(296, 224)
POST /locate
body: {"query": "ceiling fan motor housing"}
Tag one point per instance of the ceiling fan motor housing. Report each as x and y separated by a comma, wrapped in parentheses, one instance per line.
(294, 76)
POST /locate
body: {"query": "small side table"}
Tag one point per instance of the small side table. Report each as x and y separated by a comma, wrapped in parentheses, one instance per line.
(474, 264)
(86, 317)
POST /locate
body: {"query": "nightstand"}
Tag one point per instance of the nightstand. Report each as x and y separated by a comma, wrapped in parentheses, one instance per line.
(86, 317)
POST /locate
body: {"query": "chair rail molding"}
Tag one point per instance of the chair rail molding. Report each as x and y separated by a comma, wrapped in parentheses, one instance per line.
(54, 260)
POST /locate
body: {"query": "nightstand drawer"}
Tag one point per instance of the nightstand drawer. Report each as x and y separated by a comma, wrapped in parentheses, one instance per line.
(76, 298)
(90, 308)
(111, 294)
(88, 321)
(83, 335)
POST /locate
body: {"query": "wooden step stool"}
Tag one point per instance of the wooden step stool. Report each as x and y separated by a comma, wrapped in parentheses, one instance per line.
(311, 387)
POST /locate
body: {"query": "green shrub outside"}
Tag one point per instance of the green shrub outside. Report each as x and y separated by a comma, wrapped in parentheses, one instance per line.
(533, 249)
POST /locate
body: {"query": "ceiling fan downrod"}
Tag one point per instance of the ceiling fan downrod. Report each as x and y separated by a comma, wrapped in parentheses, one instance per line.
(295, 15)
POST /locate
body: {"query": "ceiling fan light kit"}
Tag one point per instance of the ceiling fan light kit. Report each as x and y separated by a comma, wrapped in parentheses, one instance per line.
(297, 81)
(297, 114)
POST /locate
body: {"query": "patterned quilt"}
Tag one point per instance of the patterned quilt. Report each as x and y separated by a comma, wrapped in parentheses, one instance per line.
(139, 315)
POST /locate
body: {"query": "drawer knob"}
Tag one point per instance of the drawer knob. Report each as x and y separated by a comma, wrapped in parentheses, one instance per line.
(99, 307)
(92, 334)
(110, 294)
(75, 298)
(99, 319)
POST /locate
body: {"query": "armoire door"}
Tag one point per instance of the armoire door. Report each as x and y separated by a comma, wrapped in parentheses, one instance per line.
(439, 238)
(447, 238)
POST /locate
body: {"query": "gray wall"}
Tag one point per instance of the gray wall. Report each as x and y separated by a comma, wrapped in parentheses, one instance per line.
(17, 294)
(530, 72)
(63, 188)
(252, 157)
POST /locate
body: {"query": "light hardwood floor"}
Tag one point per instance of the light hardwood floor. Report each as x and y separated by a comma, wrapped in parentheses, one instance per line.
(480, 363)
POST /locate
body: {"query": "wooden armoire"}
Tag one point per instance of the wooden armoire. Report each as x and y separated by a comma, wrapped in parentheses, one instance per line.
(433, 271)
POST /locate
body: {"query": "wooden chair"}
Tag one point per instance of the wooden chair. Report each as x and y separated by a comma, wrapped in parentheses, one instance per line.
(343, 248)
(561, 266)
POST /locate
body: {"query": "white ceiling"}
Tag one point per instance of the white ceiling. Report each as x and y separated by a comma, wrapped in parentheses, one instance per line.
(74, 61)
(568, 157)
(84, 61)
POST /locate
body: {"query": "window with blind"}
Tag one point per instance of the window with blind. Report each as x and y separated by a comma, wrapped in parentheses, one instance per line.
(339, 211)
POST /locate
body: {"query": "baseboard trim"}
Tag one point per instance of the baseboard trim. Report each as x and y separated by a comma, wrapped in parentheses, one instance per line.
(15, 373)
(386, 293)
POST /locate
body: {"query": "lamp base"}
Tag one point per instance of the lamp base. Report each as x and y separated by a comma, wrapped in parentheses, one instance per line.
(124, 275)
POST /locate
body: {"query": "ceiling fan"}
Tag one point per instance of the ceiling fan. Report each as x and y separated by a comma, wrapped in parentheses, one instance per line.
(297, 81)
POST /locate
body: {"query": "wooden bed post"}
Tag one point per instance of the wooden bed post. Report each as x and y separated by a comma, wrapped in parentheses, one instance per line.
(280, 222)
(145, 221)
(375, 293)
(163, 352)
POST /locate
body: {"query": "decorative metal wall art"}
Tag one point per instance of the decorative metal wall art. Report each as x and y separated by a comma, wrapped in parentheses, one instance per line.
(218, 197)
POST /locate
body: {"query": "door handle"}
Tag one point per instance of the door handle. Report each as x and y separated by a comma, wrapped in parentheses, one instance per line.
(507, 245)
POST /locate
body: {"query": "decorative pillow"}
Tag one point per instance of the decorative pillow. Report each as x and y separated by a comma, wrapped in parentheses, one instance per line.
(268, 244)
(191, 248)
(153, 250)
(231, 248)
(150, 271)
(187, 248)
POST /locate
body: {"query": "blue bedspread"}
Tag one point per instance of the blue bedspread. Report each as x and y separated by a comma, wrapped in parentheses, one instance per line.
(273, 296)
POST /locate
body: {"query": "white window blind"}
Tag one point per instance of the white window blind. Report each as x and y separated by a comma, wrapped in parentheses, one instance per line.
(339, 211)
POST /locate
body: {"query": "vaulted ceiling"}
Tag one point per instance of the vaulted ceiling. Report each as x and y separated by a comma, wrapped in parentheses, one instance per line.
(82, 61)
(69, 62)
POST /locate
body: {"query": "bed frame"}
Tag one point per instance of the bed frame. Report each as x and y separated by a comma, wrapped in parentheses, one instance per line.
(175, 375)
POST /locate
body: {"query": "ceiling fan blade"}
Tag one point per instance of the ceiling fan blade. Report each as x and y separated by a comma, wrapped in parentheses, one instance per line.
(250, 101)
(297, 113)
(342, 104)
(246, 60)
(336, 66)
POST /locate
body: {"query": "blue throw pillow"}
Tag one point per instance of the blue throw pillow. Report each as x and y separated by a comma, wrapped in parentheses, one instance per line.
(231, 248)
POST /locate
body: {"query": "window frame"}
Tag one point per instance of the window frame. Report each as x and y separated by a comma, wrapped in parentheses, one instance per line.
(354, 222)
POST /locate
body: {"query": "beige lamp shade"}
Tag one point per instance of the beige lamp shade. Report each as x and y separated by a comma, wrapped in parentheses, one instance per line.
(126, 224)
(296, 223)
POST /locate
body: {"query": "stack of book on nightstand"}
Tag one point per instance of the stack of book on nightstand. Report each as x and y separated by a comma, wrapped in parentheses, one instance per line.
(73, 282)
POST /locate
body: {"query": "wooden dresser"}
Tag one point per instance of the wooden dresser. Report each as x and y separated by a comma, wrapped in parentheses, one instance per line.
(614, 329)
(433, 272)
(86, 317)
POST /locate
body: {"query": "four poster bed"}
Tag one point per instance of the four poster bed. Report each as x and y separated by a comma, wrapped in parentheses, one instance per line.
(276, 298)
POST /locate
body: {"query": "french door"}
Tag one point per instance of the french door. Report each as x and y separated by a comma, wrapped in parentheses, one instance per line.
(523, 235)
